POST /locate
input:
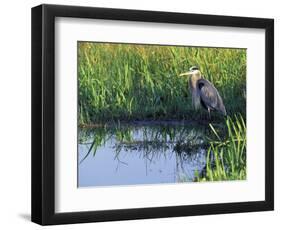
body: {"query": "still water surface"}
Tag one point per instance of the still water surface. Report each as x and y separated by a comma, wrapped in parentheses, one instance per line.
(140, 154)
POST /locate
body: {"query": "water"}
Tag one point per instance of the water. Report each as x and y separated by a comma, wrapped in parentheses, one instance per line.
(140, 154)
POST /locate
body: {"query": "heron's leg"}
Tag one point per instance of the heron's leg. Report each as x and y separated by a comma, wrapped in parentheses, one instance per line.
(209, 113)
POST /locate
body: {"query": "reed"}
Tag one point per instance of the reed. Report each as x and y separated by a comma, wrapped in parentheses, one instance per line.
(226, 158)
(125, 82)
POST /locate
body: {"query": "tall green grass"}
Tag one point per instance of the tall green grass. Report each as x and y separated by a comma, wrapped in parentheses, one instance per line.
(226, 159)
(123, 82)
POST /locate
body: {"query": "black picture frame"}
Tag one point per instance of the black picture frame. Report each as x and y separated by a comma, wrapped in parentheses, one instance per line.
(43, 114)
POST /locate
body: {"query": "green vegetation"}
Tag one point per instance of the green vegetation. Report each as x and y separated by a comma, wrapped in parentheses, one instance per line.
(226, 158)
(122, 82)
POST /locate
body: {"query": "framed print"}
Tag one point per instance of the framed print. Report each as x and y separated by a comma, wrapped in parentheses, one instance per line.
(141, 114)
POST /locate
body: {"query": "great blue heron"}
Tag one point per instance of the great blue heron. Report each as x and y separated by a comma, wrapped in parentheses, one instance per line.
(203, 92)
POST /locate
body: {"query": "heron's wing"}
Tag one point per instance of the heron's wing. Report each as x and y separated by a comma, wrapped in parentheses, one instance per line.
(210, 96)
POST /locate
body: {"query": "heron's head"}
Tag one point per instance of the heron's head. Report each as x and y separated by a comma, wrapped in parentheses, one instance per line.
(193, 71)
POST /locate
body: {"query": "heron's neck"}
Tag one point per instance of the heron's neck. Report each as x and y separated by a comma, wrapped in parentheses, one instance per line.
(193, 80)
(194, 91)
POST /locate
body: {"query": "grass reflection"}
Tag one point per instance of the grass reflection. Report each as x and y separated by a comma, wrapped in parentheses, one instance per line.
(223, 147)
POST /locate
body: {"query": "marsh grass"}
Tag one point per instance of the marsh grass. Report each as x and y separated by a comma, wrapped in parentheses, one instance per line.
(226, 158)
(124, 82)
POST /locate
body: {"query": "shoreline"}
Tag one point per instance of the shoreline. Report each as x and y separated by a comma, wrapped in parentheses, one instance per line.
(148, 123)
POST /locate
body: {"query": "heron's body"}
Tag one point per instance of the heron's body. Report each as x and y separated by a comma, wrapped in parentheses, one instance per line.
(204, 92)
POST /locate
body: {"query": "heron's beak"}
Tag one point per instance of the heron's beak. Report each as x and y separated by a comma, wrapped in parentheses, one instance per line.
(186, 74)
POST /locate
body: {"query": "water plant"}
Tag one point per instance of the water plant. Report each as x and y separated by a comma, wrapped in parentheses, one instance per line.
(226, 158)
